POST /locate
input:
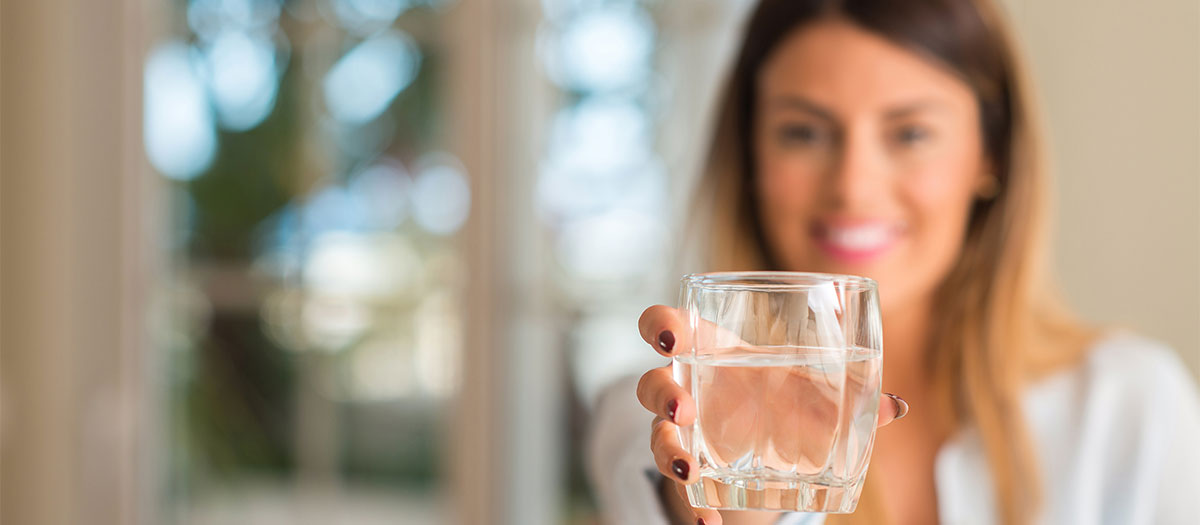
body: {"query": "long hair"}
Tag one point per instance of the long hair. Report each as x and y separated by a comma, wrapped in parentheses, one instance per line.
(999, 323)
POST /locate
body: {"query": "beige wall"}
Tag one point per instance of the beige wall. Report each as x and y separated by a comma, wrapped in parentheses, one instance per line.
(1120, 85)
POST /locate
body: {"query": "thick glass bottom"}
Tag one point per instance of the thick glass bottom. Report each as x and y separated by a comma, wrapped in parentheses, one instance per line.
(757, 493)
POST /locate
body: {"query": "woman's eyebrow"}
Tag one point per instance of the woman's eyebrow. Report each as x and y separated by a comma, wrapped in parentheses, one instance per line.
(799, 103)
(917, 106)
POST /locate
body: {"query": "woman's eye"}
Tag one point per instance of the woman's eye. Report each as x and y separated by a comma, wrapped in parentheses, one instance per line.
(910, 135)
(803, 134)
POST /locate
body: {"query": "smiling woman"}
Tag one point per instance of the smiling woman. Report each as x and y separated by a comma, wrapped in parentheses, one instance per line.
(897, 141)
(376, 261)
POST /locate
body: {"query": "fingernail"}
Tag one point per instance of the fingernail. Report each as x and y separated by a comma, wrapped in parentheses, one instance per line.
(680, 468)
(699, 521)
(901, 405)
(671, 406)
(666, 341)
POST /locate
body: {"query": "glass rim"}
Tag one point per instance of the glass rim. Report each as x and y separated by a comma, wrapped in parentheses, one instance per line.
(773, 281)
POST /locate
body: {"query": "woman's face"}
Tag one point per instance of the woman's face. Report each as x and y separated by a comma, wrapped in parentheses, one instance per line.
(868, 156)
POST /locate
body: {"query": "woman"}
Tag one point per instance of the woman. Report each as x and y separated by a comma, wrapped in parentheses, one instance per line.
(896, 140)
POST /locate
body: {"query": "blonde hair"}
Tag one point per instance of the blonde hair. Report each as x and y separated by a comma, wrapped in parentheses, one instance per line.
(999, 322)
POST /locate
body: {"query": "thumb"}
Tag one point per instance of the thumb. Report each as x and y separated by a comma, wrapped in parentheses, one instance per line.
(891, 408)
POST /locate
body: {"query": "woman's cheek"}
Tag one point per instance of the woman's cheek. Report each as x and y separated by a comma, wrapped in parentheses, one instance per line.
(941, 203)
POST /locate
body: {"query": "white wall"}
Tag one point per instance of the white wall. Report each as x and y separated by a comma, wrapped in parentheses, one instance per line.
(1120, 89)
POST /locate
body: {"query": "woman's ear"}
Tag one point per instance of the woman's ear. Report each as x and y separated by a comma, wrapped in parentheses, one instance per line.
(987, 184)
(988, 187)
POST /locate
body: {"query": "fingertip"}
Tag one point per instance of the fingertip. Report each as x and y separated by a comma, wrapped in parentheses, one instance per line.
(671, 459)
(681, 469)
(891, 408)
(660, 326)
(900, 404)
(666, 342)
(658, 393)
(707, 516)
(649, 320)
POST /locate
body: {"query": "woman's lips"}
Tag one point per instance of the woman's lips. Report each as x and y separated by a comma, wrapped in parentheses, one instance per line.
(857, 242)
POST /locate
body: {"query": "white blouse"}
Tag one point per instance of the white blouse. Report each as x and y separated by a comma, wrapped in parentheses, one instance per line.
(1118, 438)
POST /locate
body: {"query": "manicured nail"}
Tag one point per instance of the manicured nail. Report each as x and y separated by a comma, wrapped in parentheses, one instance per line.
(901, 405)
(680, 468)
(671, 406)
(666, 341)
(699, 521)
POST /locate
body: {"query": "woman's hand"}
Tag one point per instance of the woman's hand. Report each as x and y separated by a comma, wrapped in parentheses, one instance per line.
(664, 328)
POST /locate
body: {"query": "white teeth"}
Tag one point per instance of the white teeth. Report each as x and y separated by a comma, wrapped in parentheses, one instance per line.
(861, 238)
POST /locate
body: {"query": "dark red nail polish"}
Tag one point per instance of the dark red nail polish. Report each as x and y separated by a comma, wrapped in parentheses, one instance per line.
(666, 341)
(671, 406)
(680, 468)
(699, 521)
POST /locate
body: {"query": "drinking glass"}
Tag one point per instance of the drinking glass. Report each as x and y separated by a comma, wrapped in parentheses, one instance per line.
(785, 369)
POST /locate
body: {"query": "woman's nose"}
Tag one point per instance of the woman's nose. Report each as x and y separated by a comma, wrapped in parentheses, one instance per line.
(857, 177)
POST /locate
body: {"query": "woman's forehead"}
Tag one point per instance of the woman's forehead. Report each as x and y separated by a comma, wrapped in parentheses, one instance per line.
(836, 64)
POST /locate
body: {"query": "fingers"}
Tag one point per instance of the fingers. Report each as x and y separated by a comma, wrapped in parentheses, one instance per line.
(658, 392)
(663, 328)
(891, 408)
(670, 458)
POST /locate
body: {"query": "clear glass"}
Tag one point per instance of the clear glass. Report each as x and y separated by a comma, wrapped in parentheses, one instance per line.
(785, 369)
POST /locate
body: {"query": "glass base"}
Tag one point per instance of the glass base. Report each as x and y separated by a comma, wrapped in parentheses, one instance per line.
(756, 493)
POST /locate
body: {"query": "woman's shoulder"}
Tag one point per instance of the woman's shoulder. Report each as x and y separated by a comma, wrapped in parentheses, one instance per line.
(1117, 433)
(1126, 401)
(1125, 385)
(1120, 373)
(1134, 367)
(1125, 348)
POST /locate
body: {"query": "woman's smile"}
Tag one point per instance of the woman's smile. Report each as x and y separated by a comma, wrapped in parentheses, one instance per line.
(856, 241)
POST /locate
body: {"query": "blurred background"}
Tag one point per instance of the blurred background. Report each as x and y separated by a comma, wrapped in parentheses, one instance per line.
(371, 261)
